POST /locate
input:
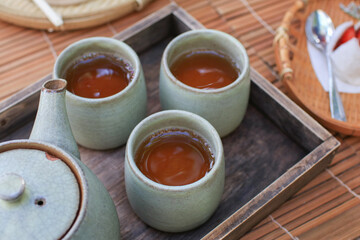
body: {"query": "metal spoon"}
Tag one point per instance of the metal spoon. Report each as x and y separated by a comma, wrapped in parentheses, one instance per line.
(319, 28)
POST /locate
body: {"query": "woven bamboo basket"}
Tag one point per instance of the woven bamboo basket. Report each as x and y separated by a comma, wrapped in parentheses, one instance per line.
(297, 74)
(76, 14)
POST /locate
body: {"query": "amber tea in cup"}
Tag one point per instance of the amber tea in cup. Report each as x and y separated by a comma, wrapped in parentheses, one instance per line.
(206, 72)
(205, 69)
(98, 75)
(106, 94)
(174, 157)
(186, 151)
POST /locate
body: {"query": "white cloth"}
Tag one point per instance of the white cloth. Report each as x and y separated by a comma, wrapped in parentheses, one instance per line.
(345, 62)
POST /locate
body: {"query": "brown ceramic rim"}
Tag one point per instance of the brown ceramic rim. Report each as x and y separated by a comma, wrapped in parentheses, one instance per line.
(239, 80)
(54, 85)
(162, 116)
(68, 160)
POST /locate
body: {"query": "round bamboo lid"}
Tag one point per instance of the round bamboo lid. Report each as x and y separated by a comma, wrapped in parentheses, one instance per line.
(76, 14)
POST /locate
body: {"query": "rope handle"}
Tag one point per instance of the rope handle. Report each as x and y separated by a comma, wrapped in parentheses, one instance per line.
(281, 42)
(140, 4)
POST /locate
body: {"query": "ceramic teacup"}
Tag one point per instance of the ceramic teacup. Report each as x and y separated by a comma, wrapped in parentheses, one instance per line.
(174, 208)
(104, 123)
(224, 107)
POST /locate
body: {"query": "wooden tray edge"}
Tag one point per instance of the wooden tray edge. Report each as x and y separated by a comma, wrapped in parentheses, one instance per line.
(305, 170)
(292, 108)
(239, 223)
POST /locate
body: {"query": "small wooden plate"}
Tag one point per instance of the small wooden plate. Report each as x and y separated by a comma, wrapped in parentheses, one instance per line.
(296, 71)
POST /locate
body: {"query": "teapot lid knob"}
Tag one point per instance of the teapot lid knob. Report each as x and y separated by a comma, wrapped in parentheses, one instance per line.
(12, 186)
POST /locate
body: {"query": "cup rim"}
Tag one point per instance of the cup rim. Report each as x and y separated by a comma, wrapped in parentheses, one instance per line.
(223, 35)
(161, 116)
(120, 44)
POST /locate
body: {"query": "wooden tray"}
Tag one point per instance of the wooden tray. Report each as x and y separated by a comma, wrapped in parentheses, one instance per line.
(293, 62)
(276, 150)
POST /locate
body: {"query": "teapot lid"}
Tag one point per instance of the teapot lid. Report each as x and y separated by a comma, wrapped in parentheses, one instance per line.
(39, 195)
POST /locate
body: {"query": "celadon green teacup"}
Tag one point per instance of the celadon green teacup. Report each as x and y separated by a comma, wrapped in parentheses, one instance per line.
(104, 123)
(224, 107)
(174, 208)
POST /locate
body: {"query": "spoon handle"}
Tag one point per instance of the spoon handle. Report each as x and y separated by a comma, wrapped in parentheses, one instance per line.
(53, 17)
(336, 106)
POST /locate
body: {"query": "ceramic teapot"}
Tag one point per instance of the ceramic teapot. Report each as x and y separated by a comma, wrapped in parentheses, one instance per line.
(46, 192)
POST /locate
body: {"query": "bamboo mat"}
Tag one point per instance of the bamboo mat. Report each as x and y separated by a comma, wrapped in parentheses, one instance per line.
(327, 208)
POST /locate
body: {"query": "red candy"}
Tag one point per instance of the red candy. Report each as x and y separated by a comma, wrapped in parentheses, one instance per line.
(357, 34)
(347, 35)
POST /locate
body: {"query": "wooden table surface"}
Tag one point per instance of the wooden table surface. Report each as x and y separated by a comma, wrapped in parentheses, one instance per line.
(326, 208)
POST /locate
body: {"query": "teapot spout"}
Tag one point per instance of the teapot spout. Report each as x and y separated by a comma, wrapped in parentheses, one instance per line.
(51, 123)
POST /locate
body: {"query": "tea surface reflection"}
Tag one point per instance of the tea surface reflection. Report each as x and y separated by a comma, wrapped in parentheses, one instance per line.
(205, 69)
(98, 76)
(174, 157)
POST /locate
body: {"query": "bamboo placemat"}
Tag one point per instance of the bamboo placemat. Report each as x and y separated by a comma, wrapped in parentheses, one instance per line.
(327, 208)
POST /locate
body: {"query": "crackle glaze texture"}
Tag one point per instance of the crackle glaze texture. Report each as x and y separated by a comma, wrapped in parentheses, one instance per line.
(62, 197)
(51, 182)
(174, 208)
(104, 123)
(225, 107)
